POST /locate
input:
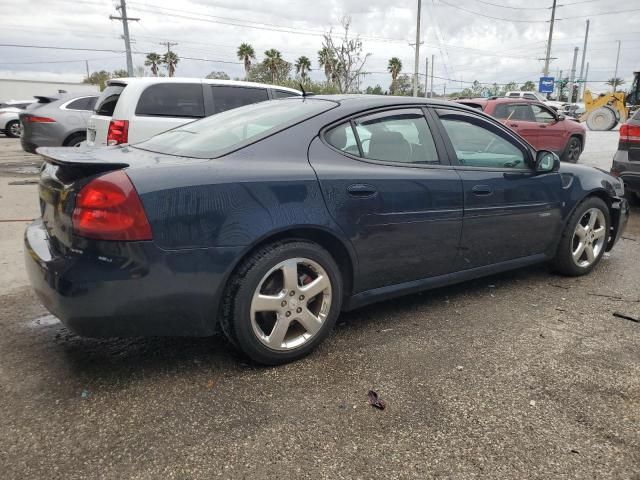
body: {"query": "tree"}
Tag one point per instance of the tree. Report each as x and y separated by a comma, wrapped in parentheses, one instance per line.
(98, 78)
(170, 59)
(326, 61)
(273, 62)
(303, 65)
(153, 60)
(528, 86)
(615, 82)
(510, 87)
(476, 88)
(348, 58)
(394, 67)
(246, 54)
(119, 74)
(377, 90)
(562, 85)
(404, 86)
(218, 76)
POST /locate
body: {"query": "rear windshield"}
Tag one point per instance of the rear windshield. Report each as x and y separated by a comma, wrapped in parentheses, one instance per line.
(233, 129)
(106, 103)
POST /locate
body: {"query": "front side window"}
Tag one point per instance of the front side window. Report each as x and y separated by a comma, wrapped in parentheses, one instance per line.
(478, 146)
(227, 131)
(227, 97)
(401, 136)
(543, 115)
(106, 103)
(172, 100)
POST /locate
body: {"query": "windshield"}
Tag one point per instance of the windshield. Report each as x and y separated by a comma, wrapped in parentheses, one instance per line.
(226, 131)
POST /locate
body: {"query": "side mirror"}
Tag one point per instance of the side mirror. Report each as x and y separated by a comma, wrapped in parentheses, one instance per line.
(561, 117)
(547, 162)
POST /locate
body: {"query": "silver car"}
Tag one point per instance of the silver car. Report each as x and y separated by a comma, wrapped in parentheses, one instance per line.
(9, 112)
(56, 122)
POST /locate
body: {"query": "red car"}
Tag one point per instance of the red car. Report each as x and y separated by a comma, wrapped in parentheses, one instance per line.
(541, 126)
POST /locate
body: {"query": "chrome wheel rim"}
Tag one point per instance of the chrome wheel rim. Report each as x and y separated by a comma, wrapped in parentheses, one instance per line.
(15, 129)
(589, 238)
(291, 304)
(574, 150)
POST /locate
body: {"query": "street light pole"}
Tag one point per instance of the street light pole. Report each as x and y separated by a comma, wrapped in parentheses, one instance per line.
(417, 57)
(548, 56)
(615, 75)
(572, 76)
(584, 54)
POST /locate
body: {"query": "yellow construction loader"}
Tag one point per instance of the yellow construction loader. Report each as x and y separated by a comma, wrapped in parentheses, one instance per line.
(607, 109)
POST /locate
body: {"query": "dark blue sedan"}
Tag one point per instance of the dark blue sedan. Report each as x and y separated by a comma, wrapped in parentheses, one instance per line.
(270, 219)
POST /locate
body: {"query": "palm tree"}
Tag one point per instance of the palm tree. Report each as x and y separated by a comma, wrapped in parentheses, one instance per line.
(394, 68)
(326, 60)
(273, 62)
(246, 54)
(170, 59)
(153, 60)
(303, 65)
(615, 82)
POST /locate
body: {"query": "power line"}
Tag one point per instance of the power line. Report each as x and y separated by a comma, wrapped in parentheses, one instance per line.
(601, 14)
(58, 61)
(491, 16)
(516, 8)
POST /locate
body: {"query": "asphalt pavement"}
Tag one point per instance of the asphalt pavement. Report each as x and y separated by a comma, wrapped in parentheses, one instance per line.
(520, 375)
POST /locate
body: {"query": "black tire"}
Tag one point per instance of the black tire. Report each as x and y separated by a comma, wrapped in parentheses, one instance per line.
(75, 139)
(573, 150)
(563, 261)
(11, 128)
(236, 319)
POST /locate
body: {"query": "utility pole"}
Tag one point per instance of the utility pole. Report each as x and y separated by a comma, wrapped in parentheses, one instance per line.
(548, 56)
(615, 75)
(168, 45)
(426, 78)
(86, 64)
(572, 77)
(417, 57)
(433, 64)
(558, 84)
(125, 27)
(584, 81)
(584, 54)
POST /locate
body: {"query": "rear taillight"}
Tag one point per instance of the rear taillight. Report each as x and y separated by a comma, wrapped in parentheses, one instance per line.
(34, 119)
(118, 132)
(108, 208)
(630, 133)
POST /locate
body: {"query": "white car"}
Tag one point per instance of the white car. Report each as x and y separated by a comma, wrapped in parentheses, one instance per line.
(131, 110)
(558, 106)
(9, 112)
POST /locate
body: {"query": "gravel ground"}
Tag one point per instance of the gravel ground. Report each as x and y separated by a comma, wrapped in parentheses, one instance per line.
(520, 375)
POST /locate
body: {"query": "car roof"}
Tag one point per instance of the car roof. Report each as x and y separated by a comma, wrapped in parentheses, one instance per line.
(210, 81)
(485, 100)
(381, 100)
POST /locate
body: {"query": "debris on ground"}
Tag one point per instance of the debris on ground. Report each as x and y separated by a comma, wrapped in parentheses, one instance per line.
(626, 317)
(85, 394)
(459, 367)
(532, 403)
(564, 287)
(210, 384)
(376, 401)
(24, 182)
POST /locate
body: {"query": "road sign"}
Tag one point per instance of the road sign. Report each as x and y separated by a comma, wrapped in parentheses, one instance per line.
(546, 84)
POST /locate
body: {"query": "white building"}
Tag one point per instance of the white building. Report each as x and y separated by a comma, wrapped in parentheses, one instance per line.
(16, 89)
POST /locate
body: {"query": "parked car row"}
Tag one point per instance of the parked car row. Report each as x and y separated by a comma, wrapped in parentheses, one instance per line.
(9, 116)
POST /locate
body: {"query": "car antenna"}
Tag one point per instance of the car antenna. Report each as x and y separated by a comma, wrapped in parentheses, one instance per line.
(304, 93)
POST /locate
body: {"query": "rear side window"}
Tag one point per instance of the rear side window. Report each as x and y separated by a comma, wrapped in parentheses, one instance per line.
(284, 94)
(22, 106)
(227, 98)
(86, 103)
(107, 101)
(517, 95)
(401, 136)
(509, 111)
(172, 100)
(530, 96)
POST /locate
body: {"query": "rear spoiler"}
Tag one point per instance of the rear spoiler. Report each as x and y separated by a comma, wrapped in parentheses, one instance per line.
(42, 99)
(78, 157)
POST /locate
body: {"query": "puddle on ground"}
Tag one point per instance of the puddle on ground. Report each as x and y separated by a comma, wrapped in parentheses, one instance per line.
(44, 321)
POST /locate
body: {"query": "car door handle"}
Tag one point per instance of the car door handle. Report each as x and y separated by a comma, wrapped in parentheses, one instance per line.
(513, 124)
(361, 190)
(542, 126)
(482, 190)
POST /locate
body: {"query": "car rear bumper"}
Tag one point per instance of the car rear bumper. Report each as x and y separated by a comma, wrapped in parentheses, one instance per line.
(627, 171)
(137, 289)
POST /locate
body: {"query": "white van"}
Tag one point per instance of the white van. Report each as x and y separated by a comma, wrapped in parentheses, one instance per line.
(538, 98)
(131, 110)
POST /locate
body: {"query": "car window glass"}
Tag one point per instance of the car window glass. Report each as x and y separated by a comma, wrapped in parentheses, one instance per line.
(477, 146)
(227, 97)
(22, 106)
(284, 94)
(402, 137)
(172, 100)
(542, 115)
(86, 103)
(510, 111)
(530, 96)
(514, 94)
(219, 134)
(342, 138)
(106, 103)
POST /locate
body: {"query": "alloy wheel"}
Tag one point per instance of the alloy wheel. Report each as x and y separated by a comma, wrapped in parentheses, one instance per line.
(574, 150)
(589, 238)
(15, 129)
(291, 304)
